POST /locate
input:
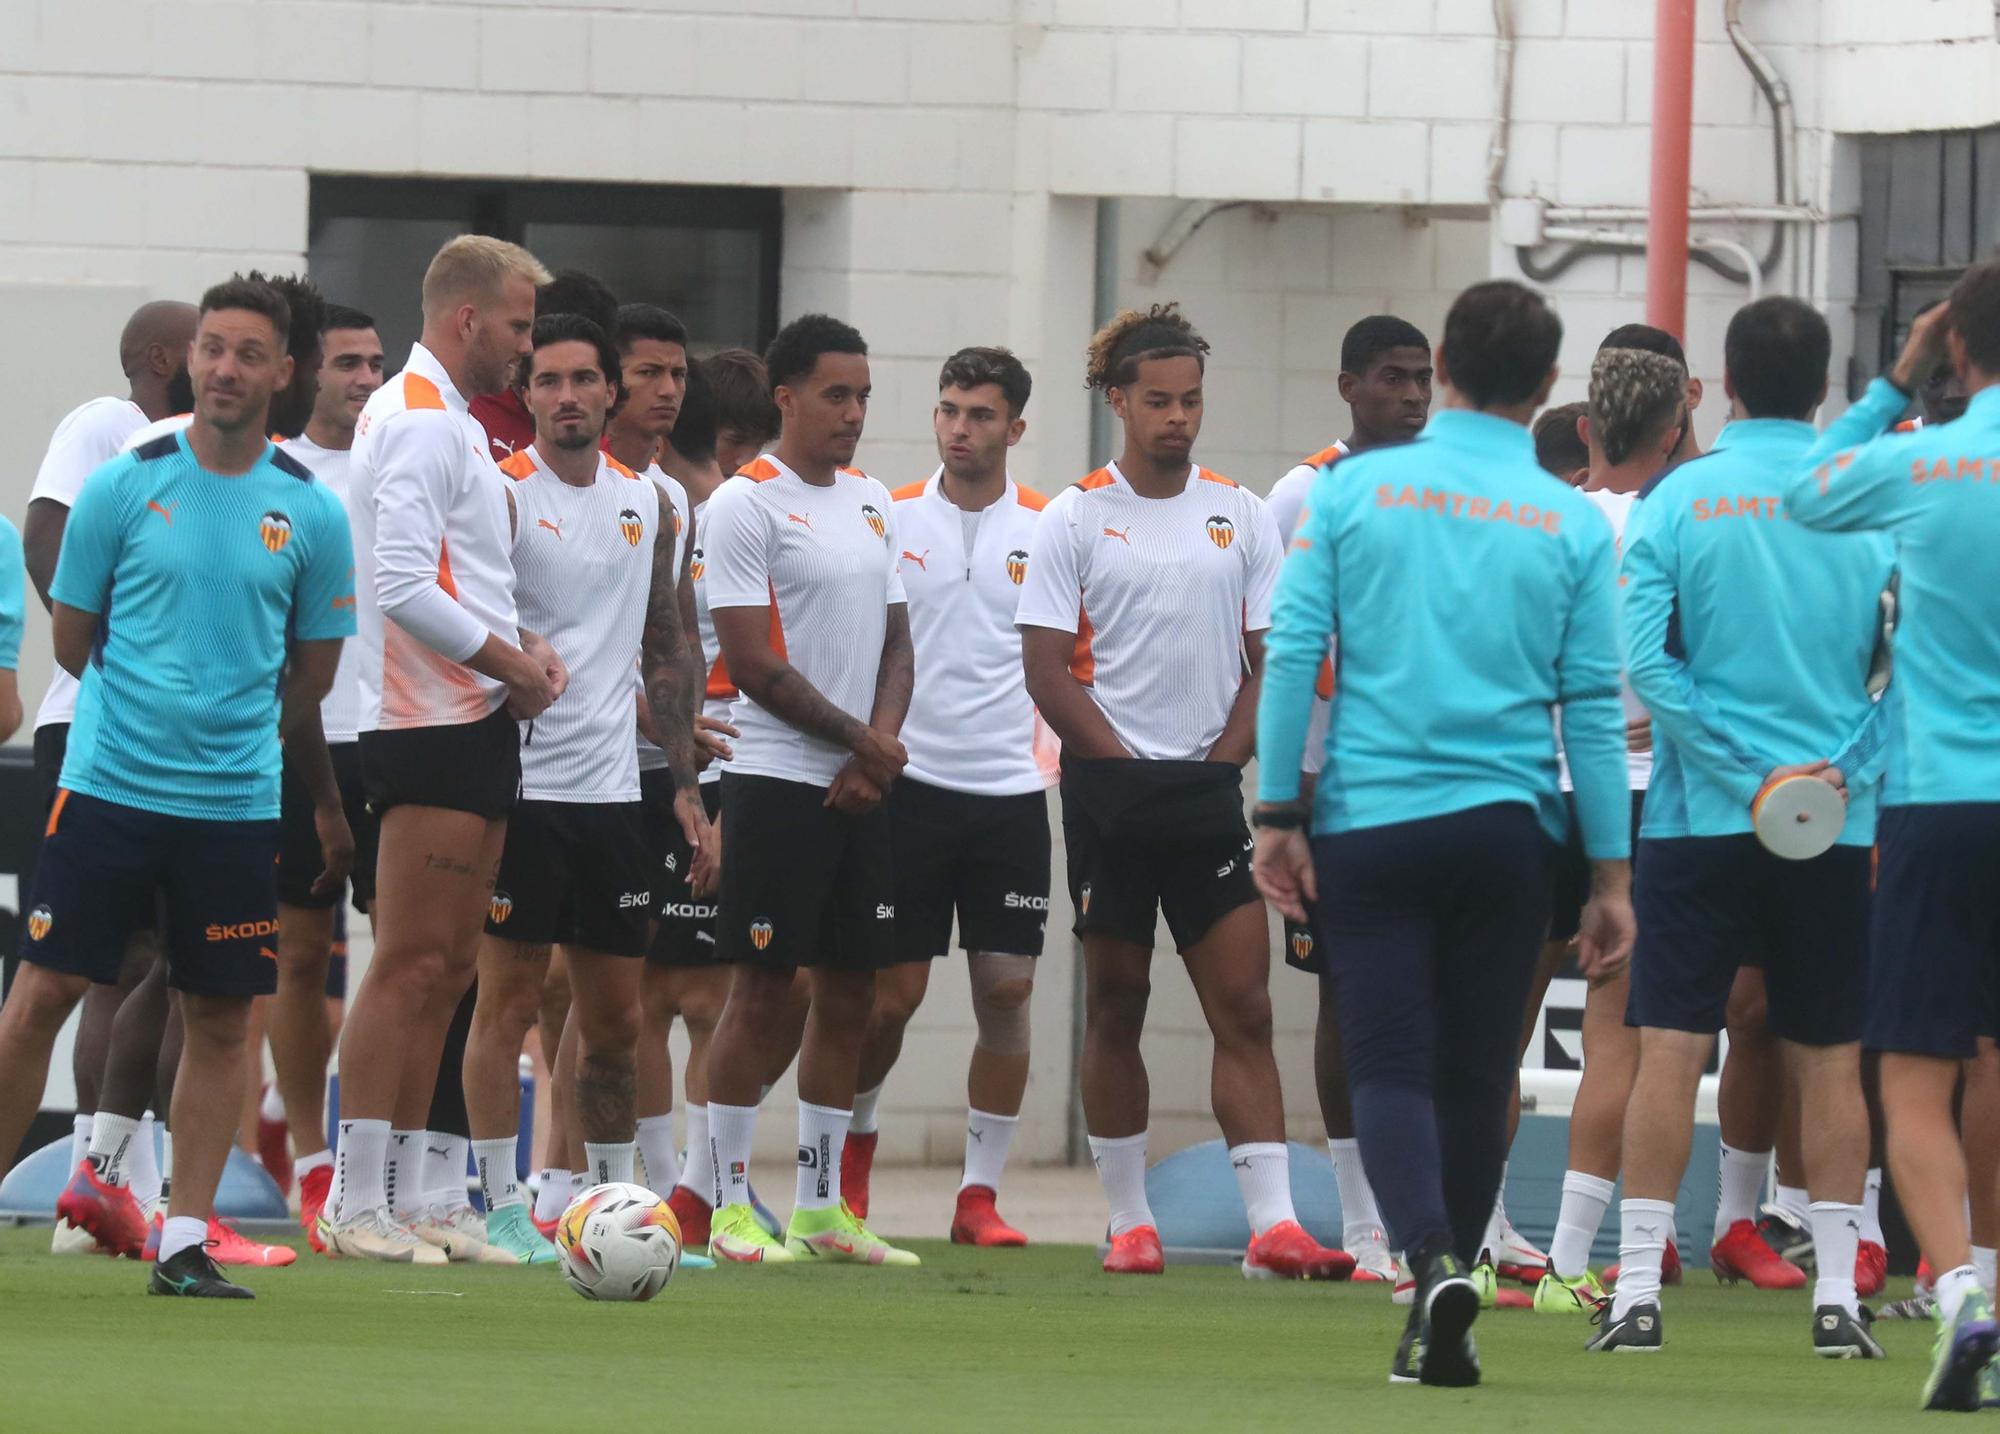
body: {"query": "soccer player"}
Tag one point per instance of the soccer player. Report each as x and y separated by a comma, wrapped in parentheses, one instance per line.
(299, 1025)
(1933, 977)
(970, 815)
(13, 617)
(1559, 445)
(1142, 636)
(1428, 869)
(1735, 710)
(1385, 380)
(503, 416)
(1648, 339)
(812, 622)
(227, 561)
(446, 671)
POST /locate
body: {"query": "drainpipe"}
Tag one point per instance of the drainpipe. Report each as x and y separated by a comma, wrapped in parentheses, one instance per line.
(1673, 126)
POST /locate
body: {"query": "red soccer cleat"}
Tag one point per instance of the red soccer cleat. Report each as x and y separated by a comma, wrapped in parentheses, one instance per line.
(977, 1222)
(151, 1253)
(857, 1163)
(694, 1214)
(274, 1151)
(547, 1227)
(314, 1186)
(1287, 1252)
(1871, 1270)
(1136, 1252)
(227, 1246)
(1742, 1254)
(108, 1211)
(1926, 1279)
(1670, 1269)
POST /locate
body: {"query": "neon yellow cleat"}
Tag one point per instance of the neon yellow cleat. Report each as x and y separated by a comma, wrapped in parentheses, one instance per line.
(736, 1236)
(1556, 1295)
(837, 1234)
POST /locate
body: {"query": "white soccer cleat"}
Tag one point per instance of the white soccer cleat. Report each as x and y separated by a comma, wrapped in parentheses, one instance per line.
(376, 1235)
(71, 1240)
(1516, 1259)
(461, 1234)
(1373, 1263)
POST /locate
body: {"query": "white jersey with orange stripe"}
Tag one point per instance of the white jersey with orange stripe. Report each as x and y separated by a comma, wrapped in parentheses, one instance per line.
(971, 726)
(1159, 592)
(583, 566)
(823, 560)
(1287, 502)
(432, 575)
(338, 713)
(718, 692)
(651, 758)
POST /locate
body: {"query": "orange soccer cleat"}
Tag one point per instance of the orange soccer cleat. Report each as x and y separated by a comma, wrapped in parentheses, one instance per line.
(1743, 1254)
(1287, 1252)
(227, 1246)
(108, 1212)
(694, 1214)
(1136, 1252)
(857, 1163)
(977, 1222)
(1871, 1270)
(314, 1187)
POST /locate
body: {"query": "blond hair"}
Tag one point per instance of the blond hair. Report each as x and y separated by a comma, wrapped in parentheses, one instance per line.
(1634, 395)
(472, 267)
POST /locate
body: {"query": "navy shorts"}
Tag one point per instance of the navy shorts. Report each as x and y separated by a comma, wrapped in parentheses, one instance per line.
(803, 884)
(1709, 905)
(984, 858)
(686, 936)
(299, 862)
(1934, 977)
(108, 870)
(575, 873)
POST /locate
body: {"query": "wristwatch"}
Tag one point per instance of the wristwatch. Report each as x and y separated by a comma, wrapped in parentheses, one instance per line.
(1280, 818)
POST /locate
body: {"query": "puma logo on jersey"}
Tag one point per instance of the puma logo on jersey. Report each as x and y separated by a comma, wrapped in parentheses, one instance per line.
(555, 528)
(1124, 537)
(163, 510)
(911, 557)
(805, 522)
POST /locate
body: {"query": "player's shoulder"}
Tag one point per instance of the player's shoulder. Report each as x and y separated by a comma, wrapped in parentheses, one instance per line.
(1033, 499)
(761, 469)
(620, 469)
(518, 465)
(114, 419)
(910, 491)
(1671, 482)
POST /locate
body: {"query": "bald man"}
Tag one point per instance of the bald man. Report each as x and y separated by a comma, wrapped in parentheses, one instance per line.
(152, 353)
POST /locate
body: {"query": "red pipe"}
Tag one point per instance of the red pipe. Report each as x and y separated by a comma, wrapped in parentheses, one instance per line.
(1673, 125)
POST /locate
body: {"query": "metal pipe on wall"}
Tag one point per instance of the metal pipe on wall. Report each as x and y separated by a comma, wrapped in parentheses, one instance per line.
(1673, 135)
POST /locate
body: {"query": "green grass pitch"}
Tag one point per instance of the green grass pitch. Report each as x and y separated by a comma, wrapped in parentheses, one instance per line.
(1002, 1340)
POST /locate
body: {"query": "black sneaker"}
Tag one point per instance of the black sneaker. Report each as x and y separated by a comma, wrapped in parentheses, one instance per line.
(192, 1274)
(1638, 1333)
(1839, 1335)
(1409, 1365)
(1447, 1302)
(1787, 1238)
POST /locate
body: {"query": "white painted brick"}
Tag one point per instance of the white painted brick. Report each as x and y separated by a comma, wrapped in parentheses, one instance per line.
(144, 120)
(581, 136)
(422, 47)
(1031, 151)
(1111, 154)
(1244, 15)
(1118, 14)
(1241, 408)
(1730, 166)
(1630, 19)
(20, 38)
(1532, 164)
(1289, 249)
(1181, 73)
(1460, 154)
(17, 200)
(1201, 261)
(114, 38)
(370, 131)
(865, 64)
(1430, 79)
(932, 233)
(1366, 161)
(1371, 17)
(986, 149)
(689, 142)
(924, 316)
(1310, 336)
(211, 38)
(1461, 249)
(1237, 158)
(800, 144)
(198, 207)
(1382, 252)
(44, 117)
(734, 58)
(1724, 92)
(1891, 88)
(1306, 75)
(1064, 70)
(1602, 165)
(961, 65)
(1531, 17)
(1845, 22)
(957, 10)
(531, 51)
(642, 55)
(903, 148)
(239, 124)
(324, 44)
(469, 134)
(1569, 81)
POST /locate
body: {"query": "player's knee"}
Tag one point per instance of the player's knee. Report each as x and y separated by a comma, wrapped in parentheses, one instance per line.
(1747, 1012)
(41, 999)
(611, 1029)
(1002, 1017)
(215, 1022)
(1116, 1007)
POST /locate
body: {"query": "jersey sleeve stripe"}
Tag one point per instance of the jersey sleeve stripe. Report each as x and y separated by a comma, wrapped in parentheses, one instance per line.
(909, 490)
(1030, 499)
(1100, 479)
(518, 465)
(1208, 477)
(1083, 661)
(445, 579)
(757, 470)
(420, 392)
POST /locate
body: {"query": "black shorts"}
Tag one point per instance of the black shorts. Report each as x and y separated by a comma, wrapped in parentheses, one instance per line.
(470, 767)
(1934, 968)
(803, 884)
(299, 863)
(575, 873)
(686, 936)
(1148, 837)
(1569, 873)
(108, 870)
(1708, 905)
(51, 746)
(985, 858)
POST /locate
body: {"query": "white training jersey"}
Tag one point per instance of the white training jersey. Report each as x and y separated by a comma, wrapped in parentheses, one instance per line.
(1617, 510)
(1287, 502)
(90, 436)
(651, 758)
(823, 560)
(1159, 592)
(971, 726)
(432, 576)
(340, 713)
(583, 573)
(718, 692)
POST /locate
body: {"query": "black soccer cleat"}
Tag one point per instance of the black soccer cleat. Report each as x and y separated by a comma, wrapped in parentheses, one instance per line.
(1448, 1303)
(1409, 1362)
(192, 1274)
(1788, 1239)
(1839, 1335)
(1639, 1332)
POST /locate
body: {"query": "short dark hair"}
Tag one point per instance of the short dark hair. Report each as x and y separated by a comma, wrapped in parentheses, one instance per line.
(646, 321)
(572, 291)
(1776, 353)
(1115, 351)
(969, 368)
(1559, 448)
(797, 348)
(1647, 338)
(742, 394)
(1500, 341)
(253, 294)
(694, 430)
(306, 305)
(340, 316)
(1975, 315)
(1636, 395)
(1374, 336)
(575, 328)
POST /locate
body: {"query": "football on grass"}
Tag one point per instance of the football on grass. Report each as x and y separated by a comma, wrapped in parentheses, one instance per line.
(619, 1242)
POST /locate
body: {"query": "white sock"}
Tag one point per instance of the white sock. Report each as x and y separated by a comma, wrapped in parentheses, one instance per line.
(1982, 1261)
(822, 1136)
(579, 1180)
(1739, 1181)
(1121, 1170)
(698, 1170)
(359, 1156)
(1836, 1231)
(1644, 1226)
(1495, 1239)
(552, 1194)
(498, 1183)
(987, 1138)
(112, 1138)
(1585, 1198)
(730, 1130)
(445, 1159)
(1360, 1217)
(1264, 1177)
(1951, 1288)
(612, 1162)
(143, 1170)
(656, 1148)
(1871, 1208)
(166, 1165)
(865, 1102)
(272, 1106)
(1794, 1201)
(178, 1233)
(306, 1164)
(79, 1138)
(403, 1173)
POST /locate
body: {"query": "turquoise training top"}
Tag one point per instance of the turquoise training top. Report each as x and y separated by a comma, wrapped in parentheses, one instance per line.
(1936, 491)
(13, 595)
(1471, 593)
(1749, 637)
(200, 581)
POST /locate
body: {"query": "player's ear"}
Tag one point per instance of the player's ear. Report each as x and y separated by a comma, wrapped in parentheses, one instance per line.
(1347, 383)
(1014, 431)
(1694, 393)
(1548, 385)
